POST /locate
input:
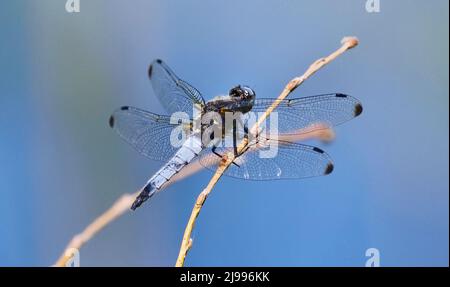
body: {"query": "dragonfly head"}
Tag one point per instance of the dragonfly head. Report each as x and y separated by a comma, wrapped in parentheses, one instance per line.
(242, 92)
(244, 96)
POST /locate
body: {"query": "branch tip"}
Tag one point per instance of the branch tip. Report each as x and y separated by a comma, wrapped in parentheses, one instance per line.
(350, 41)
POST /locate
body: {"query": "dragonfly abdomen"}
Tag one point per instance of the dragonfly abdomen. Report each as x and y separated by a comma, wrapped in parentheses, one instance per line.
(185, 154)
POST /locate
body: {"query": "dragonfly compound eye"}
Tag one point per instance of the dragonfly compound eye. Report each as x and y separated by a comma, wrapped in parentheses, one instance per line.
(248, 92)
(242, 92)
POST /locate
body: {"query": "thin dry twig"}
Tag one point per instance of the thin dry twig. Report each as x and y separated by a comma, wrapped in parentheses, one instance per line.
(227, 159)
(123, 204)
(117, 209)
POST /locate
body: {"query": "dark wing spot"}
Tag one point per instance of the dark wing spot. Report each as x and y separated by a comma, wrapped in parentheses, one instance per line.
(150, 71)
(358, 110)
(124, 108)
(341, 95)
(318, 150)
(159, 61)
(329, 168)
(111, 121)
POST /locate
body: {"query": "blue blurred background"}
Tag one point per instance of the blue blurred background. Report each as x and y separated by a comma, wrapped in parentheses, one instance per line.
(61, 165)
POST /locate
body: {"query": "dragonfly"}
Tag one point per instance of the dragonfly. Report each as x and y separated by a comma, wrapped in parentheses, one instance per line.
(152, 134)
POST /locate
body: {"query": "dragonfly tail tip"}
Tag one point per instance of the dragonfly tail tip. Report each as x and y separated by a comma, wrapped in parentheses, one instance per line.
(142, 197)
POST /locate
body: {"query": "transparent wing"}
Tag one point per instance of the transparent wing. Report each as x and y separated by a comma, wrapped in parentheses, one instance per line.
(146, 132)
(310, 113)
(174, 94)
(287, 161)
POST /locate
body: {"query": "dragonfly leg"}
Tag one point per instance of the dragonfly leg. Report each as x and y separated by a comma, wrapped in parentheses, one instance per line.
(214, 151)
(219, 155)
(246, 133)
(234, 139)
(236, 154)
